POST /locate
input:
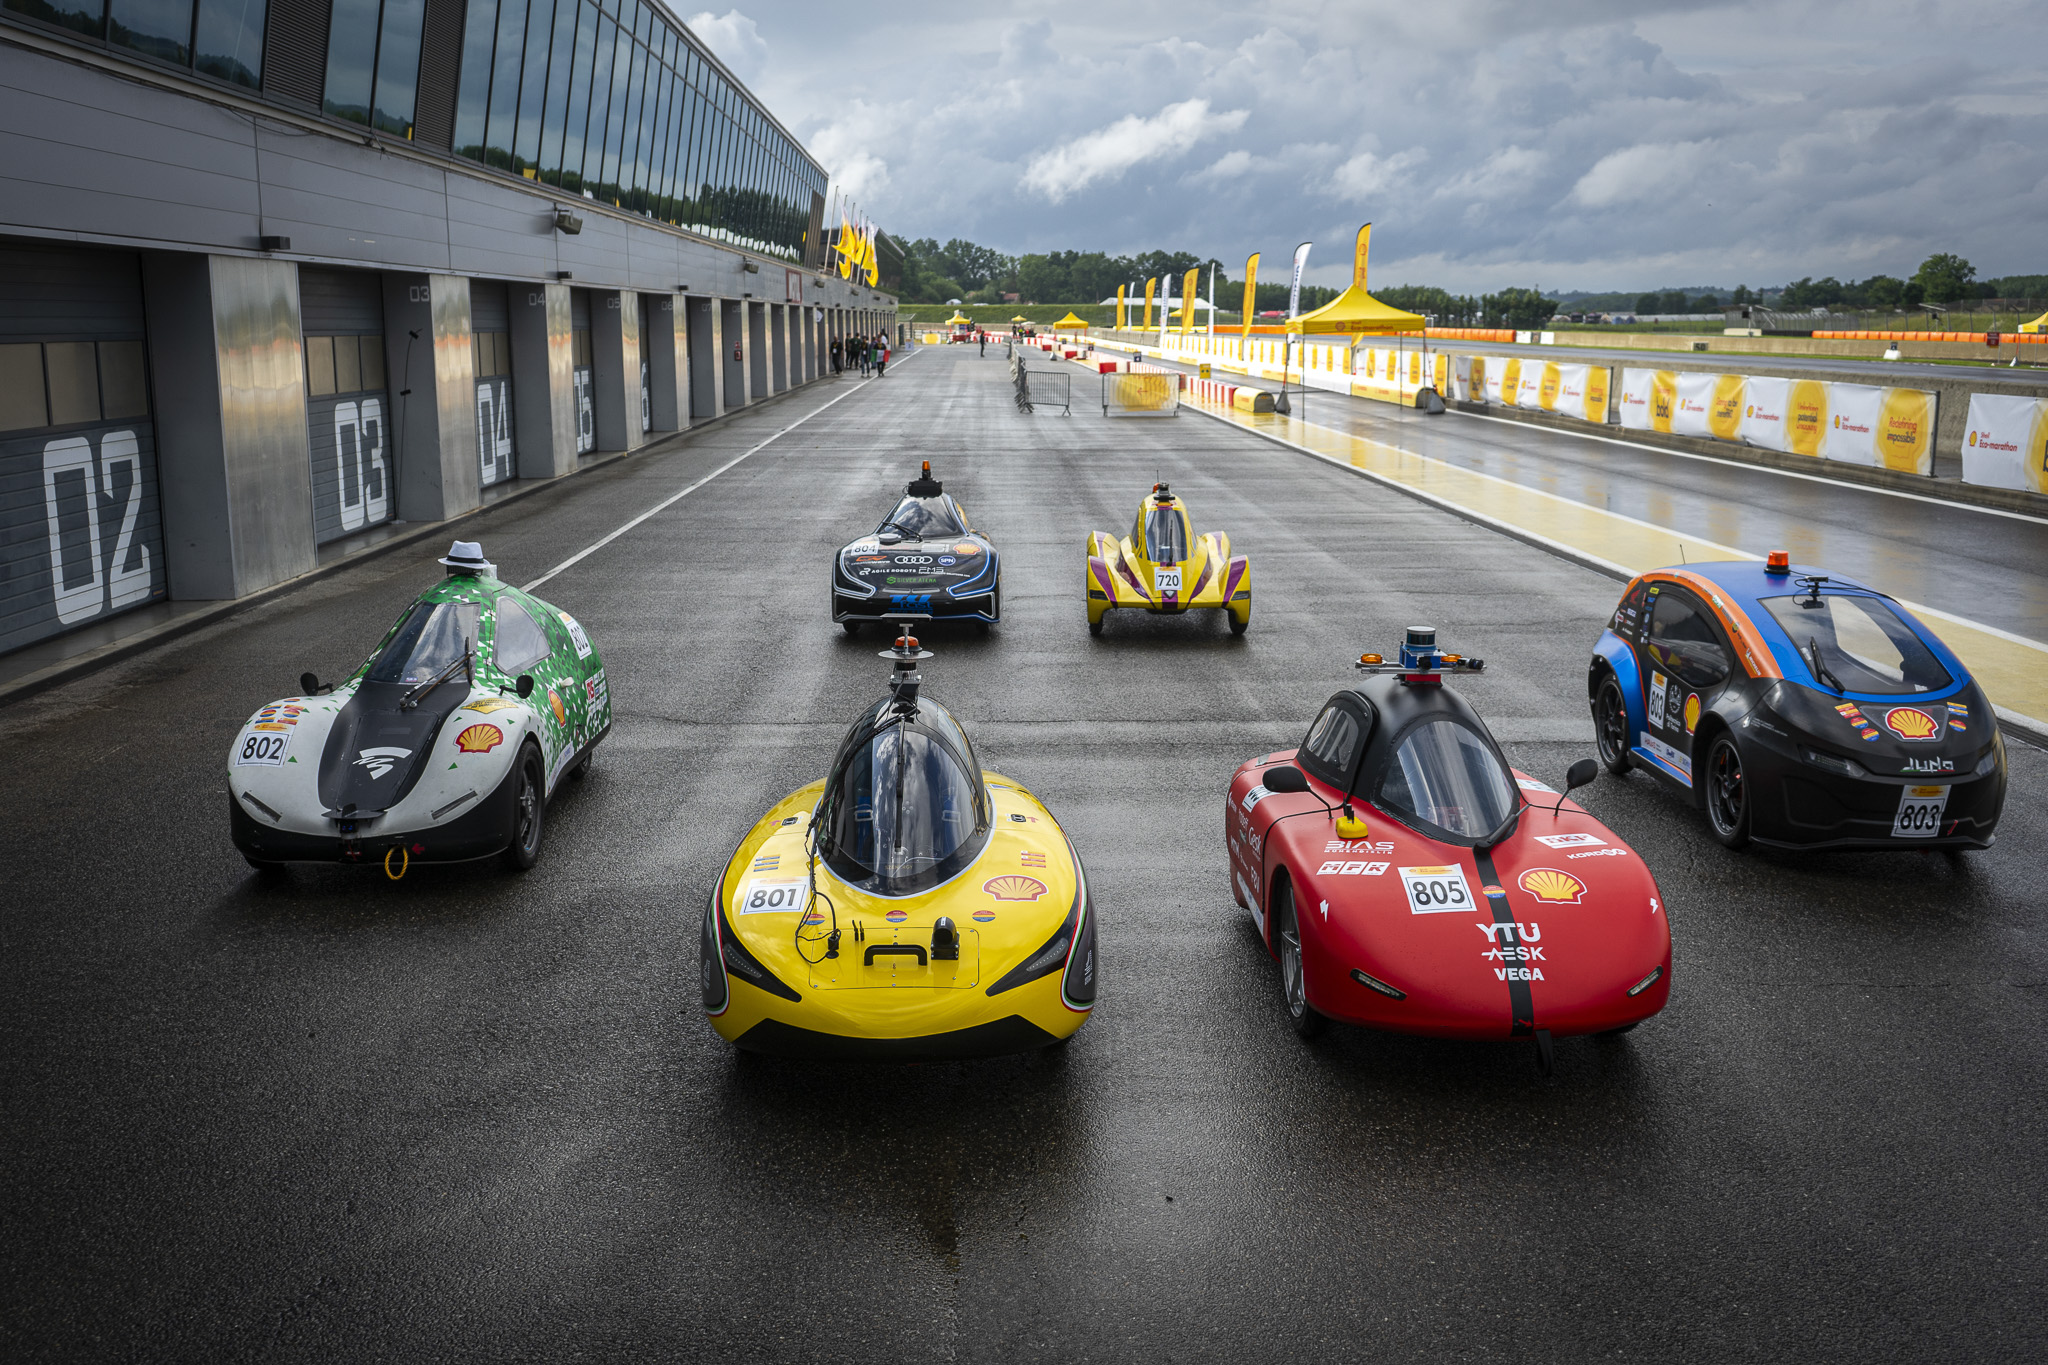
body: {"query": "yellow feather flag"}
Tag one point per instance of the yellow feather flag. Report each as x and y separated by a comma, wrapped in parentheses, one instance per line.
(1121, 316)
(1251, 296)
(844, 246)
(1188, 287)
(1146, 324)
(1358, 256)
(873, 261)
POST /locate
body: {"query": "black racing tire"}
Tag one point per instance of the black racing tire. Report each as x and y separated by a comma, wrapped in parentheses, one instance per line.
(529, 810)
(850, 627)
(1301, 1015)
(1610, 726)
(1237, 627)
(1726, 792)
(582, 768)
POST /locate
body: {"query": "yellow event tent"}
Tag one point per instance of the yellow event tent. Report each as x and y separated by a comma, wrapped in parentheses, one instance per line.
(2039, 324)
(1354, 311)
(958, 318)
(1070, 322)
(1020, 318)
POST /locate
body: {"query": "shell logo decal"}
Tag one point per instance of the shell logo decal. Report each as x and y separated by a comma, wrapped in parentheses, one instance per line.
(1692, 711)
(1910, 722)
(1552, 887)
(479, 739)
(1014, 888)
(555, 700)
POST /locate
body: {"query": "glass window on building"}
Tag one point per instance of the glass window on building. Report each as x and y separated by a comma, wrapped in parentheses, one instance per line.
(570, 173)
(600, 97)
(351, 60)
(561, 58)
(156, 28)
(398, 66)
(533, 85)
(88, 17)
(504, 100)
(472, 105)
(227, 43)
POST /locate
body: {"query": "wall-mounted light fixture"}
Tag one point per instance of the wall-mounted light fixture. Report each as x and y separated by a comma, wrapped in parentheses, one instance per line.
(751, 267)
(567, 223)
(683, 288)
(564, 275)
(273, 244)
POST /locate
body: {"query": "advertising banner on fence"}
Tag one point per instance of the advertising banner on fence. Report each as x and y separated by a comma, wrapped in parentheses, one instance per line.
(1863, 424)
(2006, 445)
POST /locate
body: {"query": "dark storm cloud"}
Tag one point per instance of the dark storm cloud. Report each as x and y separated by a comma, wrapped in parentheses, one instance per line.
(1585, 144)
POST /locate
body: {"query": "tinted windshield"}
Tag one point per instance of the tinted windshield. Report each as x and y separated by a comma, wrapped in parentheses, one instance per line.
(1862, 643)
(1166, 536)
(926, 518)
(1444, 775)
(432, 636)
(902, 813)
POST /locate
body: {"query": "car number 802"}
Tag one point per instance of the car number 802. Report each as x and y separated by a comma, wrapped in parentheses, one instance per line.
(262, 747)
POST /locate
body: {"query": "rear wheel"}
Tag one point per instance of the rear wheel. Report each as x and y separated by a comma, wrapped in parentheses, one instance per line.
(529, 811)
(1238, 627)
(1610, 726)
(1293, 973)
(1095, 627)
(851, 627)
(1727, 793)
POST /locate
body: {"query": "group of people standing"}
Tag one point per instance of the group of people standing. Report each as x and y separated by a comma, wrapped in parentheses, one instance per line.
(870, 353)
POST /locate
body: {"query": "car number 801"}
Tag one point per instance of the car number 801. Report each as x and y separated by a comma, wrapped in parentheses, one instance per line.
(1435, 890)
(262, 747)
(767, 897)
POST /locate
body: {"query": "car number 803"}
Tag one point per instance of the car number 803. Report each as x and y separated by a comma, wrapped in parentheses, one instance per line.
(264, 748)
(1920, 812)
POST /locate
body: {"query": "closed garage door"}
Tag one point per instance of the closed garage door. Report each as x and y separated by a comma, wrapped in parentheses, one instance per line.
(342, 315)
(81, 532)
(490, 323)
(580, 369)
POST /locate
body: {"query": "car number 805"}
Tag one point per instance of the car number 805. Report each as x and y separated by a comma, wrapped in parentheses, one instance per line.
(262, 747)
(1435, 890)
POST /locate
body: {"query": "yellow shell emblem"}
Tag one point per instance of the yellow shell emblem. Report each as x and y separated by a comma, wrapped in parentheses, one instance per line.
(1692, 711)
(1014, 888)
(1552, 887)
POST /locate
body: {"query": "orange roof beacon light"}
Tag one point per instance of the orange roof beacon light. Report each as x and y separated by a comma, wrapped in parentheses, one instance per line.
(1422, 664)
(1780, 562)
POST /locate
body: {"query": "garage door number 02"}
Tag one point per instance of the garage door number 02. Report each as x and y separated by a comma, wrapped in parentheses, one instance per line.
(84, 589)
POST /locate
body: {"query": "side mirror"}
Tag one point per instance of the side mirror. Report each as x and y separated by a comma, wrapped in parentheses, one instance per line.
(1580, 774)
(1285, 779)
(309, 685)
(524, 687)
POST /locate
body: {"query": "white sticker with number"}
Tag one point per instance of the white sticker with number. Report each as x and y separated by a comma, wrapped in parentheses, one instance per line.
(763, 896)
(1166, 580)
(1436, 890)
(576, 635)
(264, 748)
(1920, 810)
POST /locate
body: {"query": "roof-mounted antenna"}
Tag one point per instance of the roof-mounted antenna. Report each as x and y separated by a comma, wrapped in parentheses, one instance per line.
(904, 681)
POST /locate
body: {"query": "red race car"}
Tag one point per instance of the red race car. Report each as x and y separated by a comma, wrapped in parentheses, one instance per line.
(1408, 879)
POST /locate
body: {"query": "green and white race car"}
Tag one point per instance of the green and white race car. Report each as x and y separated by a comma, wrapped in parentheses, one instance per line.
(443, 747)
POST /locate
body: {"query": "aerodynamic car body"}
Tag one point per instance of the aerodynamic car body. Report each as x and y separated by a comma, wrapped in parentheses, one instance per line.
(910, 905)
(1163, 566)
(1408, 879)
(1799, 709)
(924, 562)
(444, 746)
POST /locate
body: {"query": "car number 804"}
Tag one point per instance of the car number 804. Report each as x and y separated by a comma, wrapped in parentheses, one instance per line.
(265, 748)
(1920, 812)
(1436, 890)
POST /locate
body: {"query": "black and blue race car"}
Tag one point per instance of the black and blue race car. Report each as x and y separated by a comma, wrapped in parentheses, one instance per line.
(1800, 709)
(925, 562)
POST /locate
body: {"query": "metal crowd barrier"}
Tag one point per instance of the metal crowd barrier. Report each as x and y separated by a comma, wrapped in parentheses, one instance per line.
(1141, 395)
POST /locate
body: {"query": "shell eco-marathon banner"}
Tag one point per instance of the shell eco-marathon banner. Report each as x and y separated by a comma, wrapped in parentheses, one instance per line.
(1391, 374)
(2006, 445)
(1548, 386)
(1884, 428)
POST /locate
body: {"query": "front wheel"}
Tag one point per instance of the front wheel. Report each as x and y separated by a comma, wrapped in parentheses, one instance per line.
(1238, 625)
(1727, 793)
(529, 811)
(1293, 971)
(1610, 726)
(851, 627)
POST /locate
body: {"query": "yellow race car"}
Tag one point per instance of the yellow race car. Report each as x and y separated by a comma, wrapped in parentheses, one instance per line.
(1162, 566)
(909, 906)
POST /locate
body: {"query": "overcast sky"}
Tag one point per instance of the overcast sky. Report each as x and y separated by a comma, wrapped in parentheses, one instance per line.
(1569, 144)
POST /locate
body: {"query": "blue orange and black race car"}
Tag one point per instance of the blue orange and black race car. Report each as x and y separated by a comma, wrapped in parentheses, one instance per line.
(1800, 709)
(925, 562)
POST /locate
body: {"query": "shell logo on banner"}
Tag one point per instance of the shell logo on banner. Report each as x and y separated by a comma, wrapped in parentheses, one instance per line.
(2007, 445)
(1415, 367)
(1596, 394)
(1547, 387)
(1724, 411)
(1808, 407)
(1510, 380)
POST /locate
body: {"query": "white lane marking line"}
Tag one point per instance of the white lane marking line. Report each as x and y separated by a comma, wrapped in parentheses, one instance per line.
(1569, 551)
(1763, 468)
(669, 502)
